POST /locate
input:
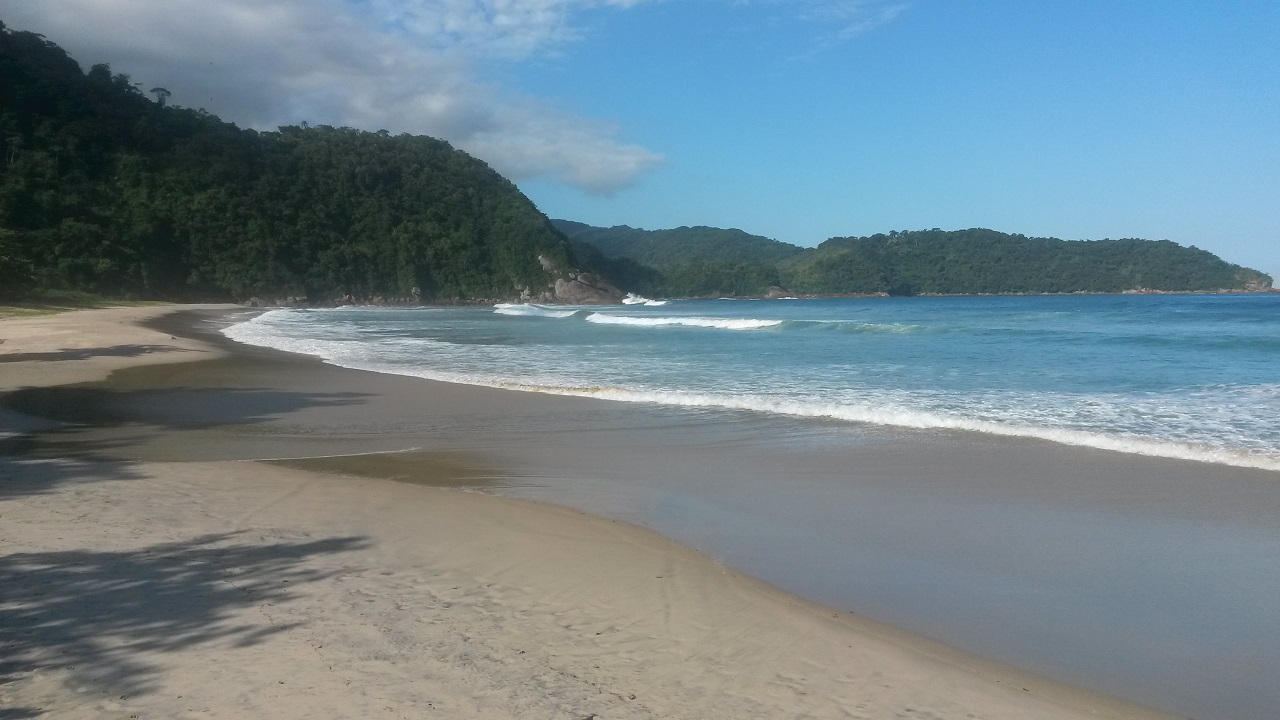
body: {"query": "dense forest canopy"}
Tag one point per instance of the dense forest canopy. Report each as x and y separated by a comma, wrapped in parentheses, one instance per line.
(666, 249)
(686, 261)
(986, 261)
(709, 262)
(105, 189)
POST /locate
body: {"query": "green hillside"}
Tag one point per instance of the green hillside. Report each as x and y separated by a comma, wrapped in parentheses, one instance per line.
(986, 261)
(708, 262)
(665, 249)
(689, 261)
(107, 190)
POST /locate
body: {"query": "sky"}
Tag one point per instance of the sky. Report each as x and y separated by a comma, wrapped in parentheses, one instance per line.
(799, 120)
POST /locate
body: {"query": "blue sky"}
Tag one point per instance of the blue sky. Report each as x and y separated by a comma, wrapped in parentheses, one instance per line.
(1076, 120)
(795, 119)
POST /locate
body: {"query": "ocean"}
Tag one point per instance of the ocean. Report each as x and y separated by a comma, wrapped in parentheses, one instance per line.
(1085, 487)
(1194, 377)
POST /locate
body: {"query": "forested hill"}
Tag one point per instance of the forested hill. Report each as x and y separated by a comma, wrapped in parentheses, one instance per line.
(986, 261)
(665, 249)
(687, 261)
(708, 262)
(104, 188)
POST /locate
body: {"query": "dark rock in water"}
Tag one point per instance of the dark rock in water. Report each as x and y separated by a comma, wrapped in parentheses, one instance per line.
(586, 289)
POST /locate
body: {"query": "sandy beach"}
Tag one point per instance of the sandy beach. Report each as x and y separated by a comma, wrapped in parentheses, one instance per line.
(177, 541)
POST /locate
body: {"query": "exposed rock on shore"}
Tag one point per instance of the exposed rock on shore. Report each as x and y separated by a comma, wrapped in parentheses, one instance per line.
(586, 289)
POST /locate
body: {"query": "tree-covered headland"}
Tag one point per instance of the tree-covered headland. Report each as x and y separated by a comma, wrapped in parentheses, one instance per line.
(108, 189)
(689, 261)
(713, 262)
(980, 261)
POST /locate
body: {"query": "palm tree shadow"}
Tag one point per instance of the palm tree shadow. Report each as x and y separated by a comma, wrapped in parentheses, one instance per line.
(98, 614)
(22, 474)
(95, 426)
(86, 353)
(167, 408)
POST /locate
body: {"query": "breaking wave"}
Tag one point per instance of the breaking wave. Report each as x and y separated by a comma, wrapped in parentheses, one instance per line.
(856, 378)
(530, 310)
(701, 322)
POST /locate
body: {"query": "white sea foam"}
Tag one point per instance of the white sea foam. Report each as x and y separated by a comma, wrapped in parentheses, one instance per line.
(858, 326)
(702, 322)
(898, 417)
(531, 310)
(633, 299)
(1186, 431)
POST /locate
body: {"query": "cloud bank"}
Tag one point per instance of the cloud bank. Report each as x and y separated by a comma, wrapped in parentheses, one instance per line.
(403, 65)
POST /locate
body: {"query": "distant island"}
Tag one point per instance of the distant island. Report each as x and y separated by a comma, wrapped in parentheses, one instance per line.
(704, 261)
(110, 190)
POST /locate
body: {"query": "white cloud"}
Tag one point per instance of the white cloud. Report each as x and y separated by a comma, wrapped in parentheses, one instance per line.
(509, 28)
(839, 21)
(851, 17)
(402, 65)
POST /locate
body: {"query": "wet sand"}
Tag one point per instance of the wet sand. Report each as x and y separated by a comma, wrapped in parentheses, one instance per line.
(1020, 550)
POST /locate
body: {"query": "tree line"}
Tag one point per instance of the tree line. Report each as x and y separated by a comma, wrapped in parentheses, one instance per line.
(713, 262)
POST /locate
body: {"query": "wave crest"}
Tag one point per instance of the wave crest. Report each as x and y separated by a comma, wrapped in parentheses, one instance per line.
(701, 322)
(531, 310)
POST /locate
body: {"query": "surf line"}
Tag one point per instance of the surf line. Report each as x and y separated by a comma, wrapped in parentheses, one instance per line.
(326, 457)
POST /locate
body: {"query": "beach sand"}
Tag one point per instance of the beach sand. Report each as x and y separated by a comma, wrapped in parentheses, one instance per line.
(153, 565)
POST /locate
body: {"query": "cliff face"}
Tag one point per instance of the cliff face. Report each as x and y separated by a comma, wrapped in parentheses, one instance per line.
(1258, 283)
(586, 289)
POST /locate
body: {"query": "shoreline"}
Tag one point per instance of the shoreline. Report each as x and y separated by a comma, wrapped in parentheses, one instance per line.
(737, 635)
(296, 303)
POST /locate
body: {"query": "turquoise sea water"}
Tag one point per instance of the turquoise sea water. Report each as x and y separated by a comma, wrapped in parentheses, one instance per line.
(1182, 376)
(865, 453)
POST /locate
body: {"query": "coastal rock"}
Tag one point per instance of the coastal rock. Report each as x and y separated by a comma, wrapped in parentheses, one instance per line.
(774, 292)
(586, 289)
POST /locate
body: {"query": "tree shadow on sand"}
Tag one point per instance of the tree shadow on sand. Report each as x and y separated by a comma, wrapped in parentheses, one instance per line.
(86, 353)
(167, 408)
(21, 476)
(93, 427)
(96, 614)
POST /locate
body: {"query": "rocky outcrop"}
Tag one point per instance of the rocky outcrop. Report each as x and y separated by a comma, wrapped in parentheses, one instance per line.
(1257, 284)
(586, 289)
